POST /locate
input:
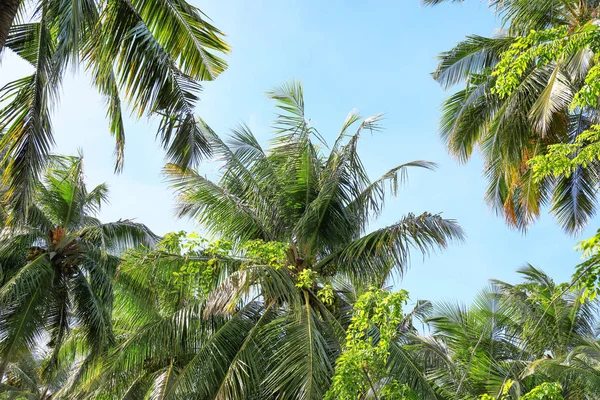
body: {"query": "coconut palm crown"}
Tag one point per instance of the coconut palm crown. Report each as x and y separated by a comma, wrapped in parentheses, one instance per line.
(56, 270)
(320, 204)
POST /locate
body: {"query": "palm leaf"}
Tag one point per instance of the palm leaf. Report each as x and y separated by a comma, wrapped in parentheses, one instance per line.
(302, 364)
(25, 119)
(372, 257)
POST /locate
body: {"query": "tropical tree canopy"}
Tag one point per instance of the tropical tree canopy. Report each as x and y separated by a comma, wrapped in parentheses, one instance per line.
(505, 337)
(151, 54)
(311, 210)
(194, 320)
(524, 90)
(263, 311)
(321, 205)
(56, 269)
(293, 296)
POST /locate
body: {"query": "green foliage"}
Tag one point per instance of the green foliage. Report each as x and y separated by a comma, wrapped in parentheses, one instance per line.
(364, 358)
(397, 391)
(326, 294)
(151, 54)
(541, 48)
(306, 279)
(264, 311)
(57, 271)
(171, 242)
(272, 253)
(587, 273)
(524, 50)
(565, 159)
(28, 378)
(197, 260)
(531, 86)
(522, 334)
(589, 93)
(310, 209)
(545, 391)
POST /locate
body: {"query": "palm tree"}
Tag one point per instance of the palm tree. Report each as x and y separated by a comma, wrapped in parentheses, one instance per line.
(511, 130)
(57, 268)
(268, 317)
(321, 205)
(471, 350)
(187, 326)
(151, 52)
(562, 320)
(507, 334)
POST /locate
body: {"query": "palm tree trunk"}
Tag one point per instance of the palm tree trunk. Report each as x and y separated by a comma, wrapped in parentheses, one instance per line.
(8, 12)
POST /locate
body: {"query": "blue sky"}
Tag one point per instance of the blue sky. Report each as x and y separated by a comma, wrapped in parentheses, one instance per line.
(373, 56)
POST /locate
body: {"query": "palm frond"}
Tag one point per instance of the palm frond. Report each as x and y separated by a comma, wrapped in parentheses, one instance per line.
(25, 119)
(151, 78)
(472, 56)
(574, 199)
(119, 235)
(405, 368)
(374, 256)
(221, 349)
(22, 301)
(213, 206)
(93, 314)
(556, 97)
(302, 364)
(185, 32)
(370, 202)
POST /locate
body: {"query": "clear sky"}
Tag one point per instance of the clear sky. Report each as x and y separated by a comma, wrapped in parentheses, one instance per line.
(375, 56)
